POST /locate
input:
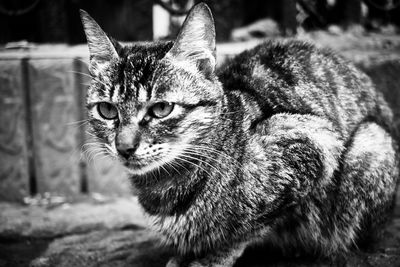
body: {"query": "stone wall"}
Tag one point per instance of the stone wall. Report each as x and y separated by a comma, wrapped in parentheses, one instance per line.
(43, 128)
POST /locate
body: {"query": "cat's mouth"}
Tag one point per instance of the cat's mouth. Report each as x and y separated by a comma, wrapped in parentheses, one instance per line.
(138, 166)
(162, 160)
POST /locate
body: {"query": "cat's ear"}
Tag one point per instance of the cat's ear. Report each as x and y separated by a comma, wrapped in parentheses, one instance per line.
(101, 48)
(196, 40)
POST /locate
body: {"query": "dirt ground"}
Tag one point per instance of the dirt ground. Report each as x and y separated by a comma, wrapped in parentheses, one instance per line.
(113, 232)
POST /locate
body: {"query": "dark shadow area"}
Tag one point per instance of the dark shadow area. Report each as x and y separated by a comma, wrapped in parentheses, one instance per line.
(151, 254)
(21, 252)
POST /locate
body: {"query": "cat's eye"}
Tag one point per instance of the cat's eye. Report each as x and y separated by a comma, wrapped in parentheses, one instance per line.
(161, 109)
(107, 111)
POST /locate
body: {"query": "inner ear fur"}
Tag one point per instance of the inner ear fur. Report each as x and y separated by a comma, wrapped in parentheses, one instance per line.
(196, 40)
(102, 49)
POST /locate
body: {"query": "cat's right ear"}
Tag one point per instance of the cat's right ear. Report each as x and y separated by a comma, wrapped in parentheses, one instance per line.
(196, 40)
(101, 49)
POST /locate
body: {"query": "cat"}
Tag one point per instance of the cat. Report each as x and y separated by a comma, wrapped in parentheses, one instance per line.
(285, 144)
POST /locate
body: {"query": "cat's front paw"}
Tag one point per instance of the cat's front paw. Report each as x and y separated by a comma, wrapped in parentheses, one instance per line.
(198, 264)
(173, 262)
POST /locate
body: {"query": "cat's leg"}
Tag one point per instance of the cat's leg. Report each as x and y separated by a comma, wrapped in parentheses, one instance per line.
(221, 258)
(294, 153)
(339, 209)
(290, 157)
(367, 184)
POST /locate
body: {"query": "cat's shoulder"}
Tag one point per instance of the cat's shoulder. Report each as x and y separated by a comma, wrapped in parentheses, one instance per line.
(281, 50)
(291, 57)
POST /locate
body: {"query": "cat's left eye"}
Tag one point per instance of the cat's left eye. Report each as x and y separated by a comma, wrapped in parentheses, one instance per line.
(107, 111)
(161, 109)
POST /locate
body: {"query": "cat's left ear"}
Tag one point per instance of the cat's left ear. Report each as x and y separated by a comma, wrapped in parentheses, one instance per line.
(196, 40)
(102, 50)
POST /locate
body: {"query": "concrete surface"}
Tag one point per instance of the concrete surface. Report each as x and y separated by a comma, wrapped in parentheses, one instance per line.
(112, 232)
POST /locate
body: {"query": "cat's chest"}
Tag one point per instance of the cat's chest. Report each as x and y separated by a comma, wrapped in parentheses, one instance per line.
(186, 232)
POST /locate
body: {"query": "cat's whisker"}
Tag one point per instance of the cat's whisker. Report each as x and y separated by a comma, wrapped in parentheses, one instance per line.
(88, 75)
(91, 143)
(78, 124)
(90, 158)
(159, 172)
(172, 166)
(230, 112)
(190, 156)
(162, 167)
(109, 148)
(81, 73)
(93, 140)
(89, 133)
(75, 155)
(82, 61)
(99, 157)
(186, 159)
(211, 159)
(92, 136)
(103, 156)
(92, 150)
(192, 163)
(210, 150)
(91, 146)
(236, 163)
(180, 165)
(175, 156)
(96, 155)
(218, 153)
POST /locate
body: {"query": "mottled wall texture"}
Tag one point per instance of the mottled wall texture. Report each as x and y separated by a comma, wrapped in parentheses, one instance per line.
(42, 130)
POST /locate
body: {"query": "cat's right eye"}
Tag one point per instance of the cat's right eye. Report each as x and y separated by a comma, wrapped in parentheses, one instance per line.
(161, 109)
(107, 111)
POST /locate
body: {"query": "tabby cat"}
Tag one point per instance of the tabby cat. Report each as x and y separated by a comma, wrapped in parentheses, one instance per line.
(286, 144)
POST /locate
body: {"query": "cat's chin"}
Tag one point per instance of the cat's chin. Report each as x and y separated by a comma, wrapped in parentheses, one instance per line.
(140, 170)
(144, 167)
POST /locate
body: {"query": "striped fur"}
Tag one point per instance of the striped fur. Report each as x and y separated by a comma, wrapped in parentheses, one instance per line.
(286, 144)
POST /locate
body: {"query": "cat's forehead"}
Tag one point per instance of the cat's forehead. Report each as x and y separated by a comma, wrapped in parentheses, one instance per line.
(141, 71)
(142, 75)
(138, 63)
(130, 77)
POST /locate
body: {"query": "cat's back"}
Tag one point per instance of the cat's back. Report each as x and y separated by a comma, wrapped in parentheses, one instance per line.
(297, 77)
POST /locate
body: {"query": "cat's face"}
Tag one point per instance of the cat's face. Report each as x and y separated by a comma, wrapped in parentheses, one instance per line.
(152, 105)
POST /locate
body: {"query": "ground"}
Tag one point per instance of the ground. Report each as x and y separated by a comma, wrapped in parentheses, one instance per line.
(99, 231)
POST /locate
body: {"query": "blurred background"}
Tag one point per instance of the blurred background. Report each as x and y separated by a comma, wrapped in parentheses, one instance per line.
(45, 21)
(43, 72)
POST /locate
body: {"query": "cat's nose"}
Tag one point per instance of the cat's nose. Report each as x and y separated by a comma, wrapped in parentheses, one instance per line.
(127, 143)
(126, 151)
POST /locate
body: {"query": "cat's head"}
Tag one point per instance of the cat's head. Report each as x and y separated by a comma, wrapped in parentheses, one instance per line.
(153, 105)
